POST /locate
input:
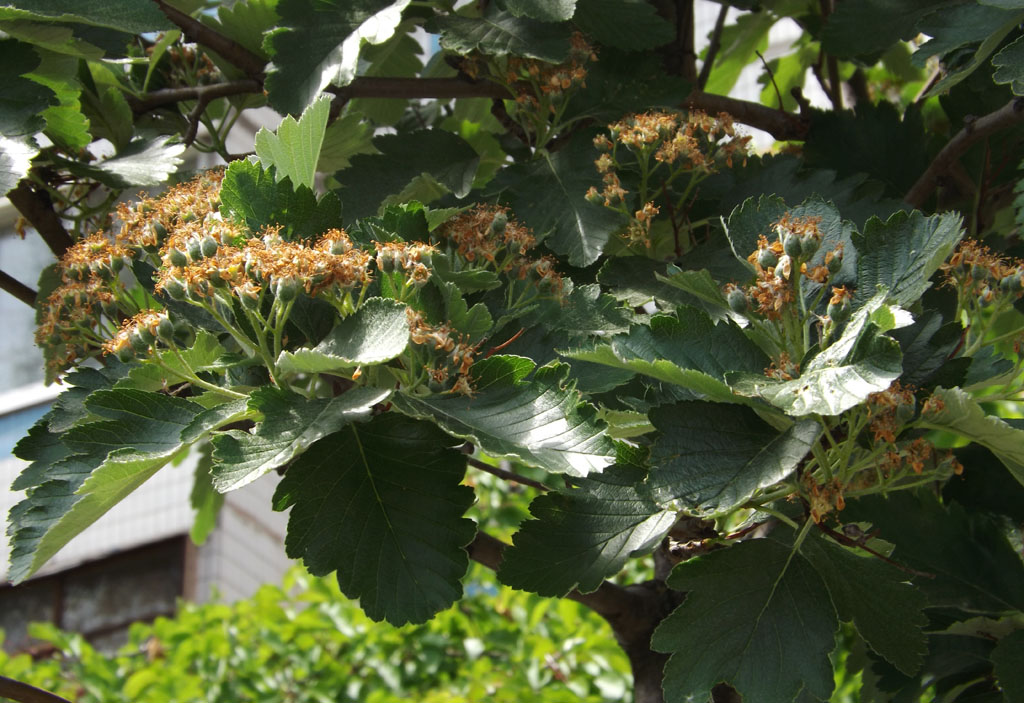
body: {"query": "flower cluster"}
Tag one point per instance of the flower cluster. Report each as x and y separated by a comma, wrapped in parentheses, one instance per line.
(453, 355)
(975, 271)
(200, 260)
(890, 410)
(487, 236)
(409, 258)
(139, 333)
(531, 81)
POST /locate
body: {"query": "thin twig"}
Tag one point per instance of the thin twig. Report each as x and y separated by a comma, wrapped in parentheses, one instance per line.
(169, 96)
(506, 475)
(771, 76)
(835, 92)
(781, 125)
(18, 289)
(23, 693)
(212, 39)
(844, 540)
(37, 207)
(1008, 115)
(713, 47)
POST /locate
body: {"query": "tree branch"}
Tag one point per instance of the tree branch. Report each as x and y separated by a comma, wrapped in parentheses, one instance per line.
(1007, 116)
(781, 125)
(169, 96)
(505, 475)
(23, 693)
(18, 289)
(713, 47)
(211, 39)
(37, 207)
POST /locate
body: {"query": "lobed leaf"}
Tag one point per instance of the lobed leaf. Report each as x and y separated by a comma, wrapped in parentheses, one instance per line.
(375, 333)
(381, 504)
(537, 421)
(107, 459)
(317, 42)
(291, 424)
(953, 410)
(548, 195)
(876, 597)
(584, 534)
(371, 178)
(773, 622)
(902, 253)
(713, 457)
(683, 350)
(499, 33)
(632, 25)
(295, 149)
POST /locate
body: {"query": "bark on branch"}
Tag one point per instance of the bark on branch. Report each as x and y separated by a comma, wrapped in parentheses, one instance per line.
(18, 289)
(23, 693)
(37, 207)
(211, 39)
(975, 130)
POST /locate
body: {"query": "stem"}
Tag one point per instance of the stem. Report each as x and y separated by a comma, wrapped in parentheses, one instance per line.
(18, 289)
(191, 377)
(23, 693)
(506, 475)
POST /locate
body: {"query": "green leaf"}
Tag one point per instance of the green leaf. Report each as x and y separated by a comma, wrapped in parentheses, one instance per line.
(772, 621)
(699, 284)
(142, 162)
(537, 421)
(499, 33)
(633, 25)
(317, 44)
(622, 82)
(291, 423)
(16, 156)
(245, 22)
(251, 195)
(739, 45)
(474, 322)
(869, 27)
(903, 253)
(134, 16)
(713, 457)
(295, 149)
(50, 37)
(112, 457)
(684, 350)
(543, 10)
(973, 566)
(861, 362)
(887, 611)
(170, 368)
(846, 142)
(548, 195)
(1007, 656)
(957, 26)
(954, 410)
(381, 504)
(403, 158)
(1009, 63)
(633, 280)
(65, 123)
(584, 534)
(22, 99)
(206, 501)
(343, 139)
(377, 332)
(979, 59)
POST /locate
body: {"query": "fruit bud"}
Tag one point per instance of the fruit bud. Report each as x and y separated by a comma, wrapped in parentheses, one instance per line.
(767, 258)
(177, 258)
(791, 245)
(208, 246)
(737, 299)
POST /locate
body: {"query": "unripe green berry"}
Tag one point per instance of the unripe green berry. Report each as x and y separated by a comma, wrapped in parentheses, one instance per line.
(791, 245)
(287, 289)
(737, 300)
(809, 244)
(174, 289)
(177, 258)
(125, 354)
(165, 329)
(767, 258)
(195, 252)
(208, 246)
